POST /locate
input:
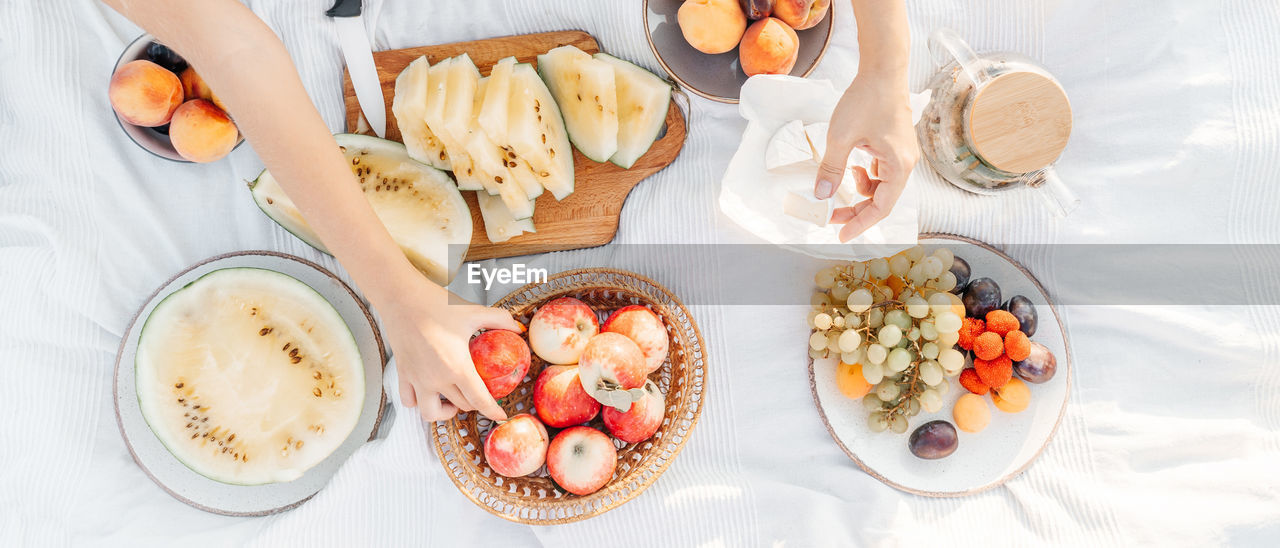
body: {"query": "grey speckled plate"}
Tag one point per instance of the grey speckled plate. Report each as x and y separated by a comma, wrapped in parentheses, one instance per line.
(983, 460)
(249, 500)
(719, 77)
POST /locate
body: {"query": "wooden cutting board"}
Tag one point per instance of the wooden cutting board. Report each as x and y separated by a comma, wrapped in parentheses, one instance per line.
(586, 218)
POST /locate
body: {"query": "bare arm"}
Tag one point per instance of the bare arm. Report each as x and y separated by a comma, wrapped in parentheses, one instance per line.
(874, 114)
(250, 70)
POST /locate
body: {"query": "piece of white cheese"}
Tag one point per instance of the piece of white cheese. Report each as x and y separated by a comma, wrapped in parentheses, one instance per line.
(787, 146)
(816, 133)
(804, 206)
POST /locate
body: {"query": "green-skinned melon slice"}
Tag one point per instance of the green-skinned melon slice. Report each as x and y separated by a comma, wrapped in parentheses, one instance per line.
(420, 205)
(248, 376)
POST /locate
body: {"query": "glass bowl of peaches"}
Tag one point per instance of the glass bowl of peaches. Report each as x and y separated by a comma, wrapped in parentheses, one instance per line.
(166, 108)
(711, 47)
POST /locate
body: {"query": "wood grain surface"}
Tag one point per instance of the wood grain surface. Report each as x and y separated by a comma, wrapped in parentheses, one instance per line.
(1020, 122)
(586, 218)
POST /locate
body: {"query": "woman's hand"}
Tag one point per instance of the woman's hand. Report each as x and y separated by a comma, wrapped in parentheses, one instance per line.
(429, 330)
(874, 115)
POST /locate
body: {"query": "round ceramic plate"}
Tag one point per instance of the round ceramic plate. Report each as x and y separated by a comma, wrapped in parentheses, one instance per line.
(985, 459)
(719, 77)
(249, 500)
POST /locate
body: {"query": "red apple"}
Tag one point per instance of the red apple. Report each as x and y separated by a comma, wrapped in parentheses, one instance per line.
(560, 330)
(517, 447)
(645, 329)
(611, 364)
(559, 399)
(801, 14)
(581, 459)
(641, 421)
(502, 360)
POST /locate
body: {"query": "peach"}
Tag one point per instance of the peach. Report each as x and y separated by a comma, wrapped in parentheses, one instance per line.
(641, 421)
(517, 447)
(712, 26)
(560, 400)
(1013, 397)
(801, 14)
(194, 87)
(645, 329)
(581, 460)
(971, 413)
(850, 380)
(768, 47)
(144, 93)
(202, 132)
(501, 358)
(560, 329)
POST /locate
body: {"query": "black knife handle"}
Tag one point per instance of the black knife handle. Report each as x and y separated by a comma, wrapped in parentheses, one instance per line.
(344, 8)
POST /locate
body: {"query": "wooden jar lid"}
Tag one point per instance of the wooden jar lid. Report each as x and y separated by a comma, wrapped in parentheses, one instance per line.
(1019, 122)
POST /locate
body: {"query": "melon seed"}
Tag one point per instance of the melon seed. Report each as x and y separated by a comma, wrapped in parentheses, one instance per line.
(270, 201)
(286, 346)
(293, 353)
(355, 161)
(552, 152)
(296, 359)
(317, 375)
(264, 331)
(298, 445)
(179, 385)
(316, 392)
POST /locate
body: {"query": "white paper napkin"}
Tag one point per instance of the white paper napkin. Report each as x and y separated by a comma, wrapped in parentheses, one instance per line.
(752, 196)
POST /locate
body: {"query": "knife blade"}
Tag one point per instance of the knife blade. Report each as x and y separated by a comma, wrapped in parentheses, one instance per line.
(359, 57)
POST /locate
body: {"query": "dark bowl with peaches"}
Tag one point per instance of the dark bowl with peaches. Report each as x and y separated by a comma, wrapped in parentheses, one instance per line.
(711, 47)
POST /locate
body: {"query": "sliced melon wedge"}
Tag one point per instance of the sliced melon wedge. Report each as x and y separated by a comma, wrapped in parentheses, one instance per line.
(585, 90)
(536, 132)
(249, 376)
(499, 224)
(409, 108)
(420, 205)
(455, 120)
(492, 116)
(643, 100)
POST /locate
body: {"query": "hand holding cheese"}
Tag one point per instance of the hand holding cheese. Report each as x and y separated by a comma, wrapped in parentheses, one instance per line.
(874, 115)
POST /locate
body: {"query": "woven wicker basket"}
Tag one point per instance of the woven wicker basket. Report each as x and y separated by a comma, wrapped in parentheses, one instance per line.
(535, 499)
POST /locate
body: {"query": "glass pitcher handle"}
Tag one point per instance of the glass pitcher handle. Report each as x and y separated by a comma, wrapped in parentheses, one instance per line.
(946, 44)
(1056, 194)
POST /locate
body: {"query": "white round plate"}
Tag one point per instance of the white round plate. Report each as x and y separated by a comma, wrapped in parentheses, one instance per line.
(985, 459)
(249, 500)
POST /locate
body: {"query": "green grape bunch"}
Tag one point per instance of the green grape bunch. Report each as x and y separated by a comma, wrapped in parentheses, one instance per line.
(898, 318)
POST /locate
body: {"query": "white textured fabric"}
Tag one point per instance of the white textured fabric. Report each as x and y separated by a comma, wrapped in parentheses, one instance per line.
(1173, 432)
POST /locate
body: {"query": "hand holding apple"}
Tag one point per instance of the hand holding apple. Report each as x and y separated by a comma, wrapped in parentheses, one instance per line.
(501, 358)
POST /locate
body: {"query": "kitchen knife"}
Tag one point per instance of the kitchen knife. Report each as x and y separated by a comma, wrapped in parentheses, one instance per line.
(359, 57)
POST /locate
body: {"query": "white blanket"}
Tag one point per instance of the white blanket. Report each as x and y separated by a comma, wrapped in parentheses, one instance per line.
(1173, 432)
